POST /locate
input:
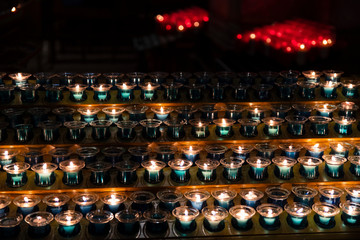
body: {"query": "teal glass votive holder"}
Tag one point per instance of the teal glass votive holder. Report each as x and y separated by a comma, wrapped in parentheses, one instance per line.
(6, 93)
(66, 78)
(224, 127)
(64, 114)
(16, 174)
(139, 154)
(151, 128)
(197, 198)
(307, 89)
(284, 167)
(303, 109)
(72, 172)
(165, 153)
(263, 91)
(241, 217)
(186, 112)
(85, 202)
(343, 125)
(99, 222)
(101, 92)
(334, 165)
(142, 200)
(156, 221)
(161, 113)
(26, 204)
(333, 75)
(44, 174)
(28, 93)
(5, 201)
(126, 130)
(266, 150)
(325, 110)
(258, 167)
(325, 215)
(154, 173)
(209, 111)
(350, 88)
(232, 168)
(113, 154)
(269, 216)
(50, 130)
(204, 77)
(191, 153)
(353, 194)
(277, 195)
(350, 213)
(251, 197)
(137, 112)
(128, 222)
(23, 132)
(175, 128)
(330, 195)
(90, 78)
(199, 128)
(149, 91)
(285, 89)
(77, 92)
(297, 215)
(214, 218)
(224, 198)
(296, 125)
(272, 126)
(88, 114)
(309, 167)
(241, 91)
(10, 226)
(354, 166)
(113, 113)
(207, 170)
(328, 89)
(54, 93)
(158, 77)
(290, 76)
(113, 202)
(319, 125)
(136, 77)
(99, 173)
(171, 91)
(125, 91)
(340, 148)
(256, 112)
(304, 195)
(87, 154)
(60, 154)
(19, 79)
(185, 219)
(169, 199)
(101, 129)
(312, 76)
(215, 151)
(233, 111)
(113, 78)
(242, 150)
(180, 170)
(217, 91)
(248, 127)
(291, 150)
(126, 172)
(195, 91)
(7, 156)
(39, 224)
(280, 110)
(69, 223)
(56, 203)
(75, 130)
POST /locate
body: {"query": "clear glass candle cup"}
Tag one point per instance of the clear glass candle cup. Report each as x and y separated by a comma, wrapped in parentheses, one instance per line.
(248, 127)
(297, 215)
(29, 93)
(180, 170)
(153, 171)
(5, 201)
(350, 88)
(162, 113)
(39, 224)
(280, 110)
(137, 112)
(8, 156)
(99, 173)
(354, 165)
(284, 167)
(325, 214)
(85, 202)
(258, 167)
(90, 78)
(149, 91)
(353, 194)
(334, 165)
(216, 151)
(248, 77)
(256, 112)
(23, 132)
(77, 92)
(44, 174)
(333, 75)
(101, 92)
(185, 219)
(64, 114)
(99, 222)
(330, 195)
(291, 150)
(87, 154)
(266, 150)
(191, 153)
(350, 213)
(10, 226)
(241, 217)
(72, 172)
(325, 110)
(199, 128)
(242, 150)
(224, 127)
(269, 216)
(218, 91)
(139, 154)
(56, 203)
(171, 91)
(76, 130)
(175, 128)
(328, 89)
(277, 195)
(113, 78)
(315, 149)
(232, 168)
(304, 195)
(340, 148)
(307, 89)
(347, 109)
(309, 167)
(272, 126)
(312, 75)
(195, 91)
(158, 77)
(209, 111)
(165, 153)
(197, 198)
(26, 204)
(207, 170)
(39, 114)
(142, 200)
(6, 93)
(186, 112)
(156, 221)
(150, 128)
(204, 77)
(20, 78)
(16, 174)
(101, 129)
(214, 218)
(69, 223)
(224, 198)
(251, 197)
(88, 114)
(60, 154)
(136, 77)
(169, 199)
(50, 130)
(241, 91)
(343, 125)
(125, 91)
(319, 125)
(128, 222)
(127, 172)
(126, 130)
(113, 201)
(263, 91)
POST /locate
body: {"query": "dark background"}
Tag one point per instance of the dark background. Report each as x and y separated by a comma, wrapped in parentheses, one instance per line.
(122, 36)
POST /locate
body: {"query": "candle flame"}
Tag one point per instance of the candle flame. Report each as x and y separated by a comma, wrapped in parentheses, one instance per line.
(56, 199)
(313, 74)
(44, 166)
(271, 122)
(68, 218)
(326, 209)
(149, 86)
(13, 9)
(190, 148)
(256, 110)
(77, 87)
(241, 214)
(16, 168)
(223, 121)
(71, 165)
(258, 162)
(351, 86)
(26, 199)
(222, 196)
(213, 213)
(85, 199)
(186, 212)
(197, 197)
(240, 148)
(6, 153)
(340, 147)
(182, 163)
(270, 211)
(161, 110)
(113, 111)
(250, 195)
(124, 86)
(88, 111)
(290, 147)
(200, 124)
(100, 88)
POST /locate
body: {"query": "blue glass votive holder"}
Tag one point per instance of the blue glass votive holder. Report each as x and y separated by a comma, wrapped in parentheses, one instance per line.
(88, 114)
(203, 77)
(325, 214)
(38, 115)
(195, 91)
(28, 93)
(50, 130)
(185, 219)
(258, 167)
(6, 93)
(218, 91)
(241, 91)
(19, 79)
(66, 78)
(248, 127)
(268, 77)
(153, 171)
(43, 78)
(343, 125)
(191, 153)
(75, 130)
(307, 89)
(10, 226)
(69, 223)
(54, 93)
(56, 203)
(39, 224)
(248, 77)
(340, 148)
(162, 113)
(44, 174)
(216, 151)
(99, 222)
(136, 77)
(304, 195)
(224, 198)
(232, 168)
(330, 195)
(113, 113)
(16, 174)
(233, 111)
(266, 150)
(319, 125)
(180, 170)
(171, 91)
(5, 201)
(113, 78)
(99, 173)
(284, 167)
(125, 91)
(242, 151)
(353, 194)
(315, 150)
(354, 165)
(309, 167)
(241, 217)
(87, 154)
(128, 224)
(27, 204)
(251, 197)
(77, 92)
(325, 110)
(272, 126)
(209, 111)
(60, 154)
(224, 127)
(14, 116)
(113, 154)
(290, 150)
(263, 91)
(197, 198)
(290, 76)
(113, 202)
(186, 112)
(165, 153)
(175, 128)
(277, 195)
(139, 154)
(149, 91)
(85, 202)
(156, 221)
(126, 130)
(269, 216)
(23, 132)
(158, 77)
(334, 165)
(90, 78)
(169, 199)
(351, 213)
(207, 170)
(127, 172)
(7, 156)
(64, 114)
(297, 215)
(101, 129)
(350, 88)
(285, 90)
(214, 218)
(225, 77)
(101, 92)
(72, 172)
(333, 75)
(142, 200)
(312, 76)
(296, 125)
(256, 112)
(280, 110)
(150, 128)
(137, 112)
(200, 128)
(303, 109)
(328, 89)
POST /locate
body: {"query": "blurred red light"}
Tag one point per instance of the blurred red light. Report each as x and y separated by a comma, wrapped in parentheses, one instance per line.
(206, 19)
(239, 36)
(168, 27)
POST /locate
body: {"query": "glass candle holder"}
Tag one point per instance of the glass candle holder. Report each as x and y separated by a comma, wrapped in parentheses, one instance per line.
(99, 173)
(284, 167)
(325, 214)
(268, 76)
(328, 89)
(303, 109)
(128, 222)
(26, 204)
(242, 151)
(304, 195)
(101, 92)
(195, 91)
(248, 77)
(319, 125)
(142, 200)
(309, 167)
(85, 202)
(10, 226)
(169, 199)
(217, 90)
(156, 221)
(315, 150)
(256, 112)
(215, 151)
(204, 77)
(297, 215)
(56, 203)
(333, 75)
(126, 130)
(60, 154)
(325, 110)
(340, 148)
(113, 78)
(137, 112)
(69, 223)
(113, 202)
(180, 170)
(20, 78)
(153, 171)
(165, 153)
(77, 92)
(207, 170)
(272, 126)
(354, 165)
(14, 116)
(185, 219)
(113, 154)
(6, 93)
(127, 172)
(351, 213)
(225, 77)
(125, 91)
(64, 114)
(7, 156)
(139, 154)
(232, 168)
(248, 127)
(23, 132)
(290, 150)
(90, 79)
(258, 167)
(241, 217)
(181, 77)
(199, 128)
(28, 93)
(343, 125)
(72, 172)
(224, 198)
(5, 201)
(151, 128)
(191, 153)
(350, 88)
(50, 130)
(347, 109)
(263, 91)
(269, 216)
(162, 113)
(38, 115)
(224, 127)
(148, 91)
(136, 77)
(233, 111)
(285, 89)
(330, 195)
(214, 218)
(88, 114)
(66, 78)
(334, 166)
(100, 129)
(87, 154)
(186, 112)
(312, 76)
(39, 224)
(16, 174)
(353, 194)
(197, 198)
(241, 91)
(277, 195)
(209, 111)
(251, 197)
(158, 77)
(171, 92)
(175, 128)
(44, 174)
(99, 222)
(307, 89)
(280, 110)
(290, 76)
(266, 150)
(75, 130)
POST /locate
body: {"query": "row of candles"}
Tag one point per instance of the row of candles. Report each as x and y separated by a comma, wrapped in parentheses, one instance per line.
(180, 167)
(142, 206)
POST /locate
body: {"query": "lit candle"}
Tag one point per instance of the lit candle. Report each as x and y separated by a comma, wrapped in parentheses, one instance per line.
(297, 215)
(242, 150)
(39, 224)
(312, 76)
(185, 218)
(85, 202)
(99, 222)
(241, 217)
(325, 214)
(56, 203)
(269, 216)
(113, 202)
(125, 91)
(224, 198)
(251, 197)
(7, 156)
(77, 92)
(69, 223)
(304, 195)
(284, 167)
(16, 174)
(162, 113)
(153, 171)
(333, 75)
(325, 110)
(148, 91)
(353, 194)
(19, 79)
(224, 127)
(180, 170)
(343, 125)
(328, 89)
(347, 109)
(315, 150)
(88, 114)
(72, 172)
(214, 218)
(277, 195)
(334, 166)
(26, 204)
(350, 88)
(197, 198)
(199, 128)
(341, 148)
(207, 169)
(101, 92)
(44, 174)
(309, 167)
(351, 213)
(192, 153)
(290, 150)
(258, 167)
(256, 112)
(232, 168)
(330, 195)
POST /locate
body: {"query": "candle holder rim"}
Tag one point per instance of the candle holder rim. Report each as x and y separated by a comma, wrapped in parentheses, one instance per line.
(304, 160)
(23, 125)
(50, 124)
(187, 108)
(233, 211)
(334, 159)
(40, 75)
(91, 199)
(319, 119)
(22, 167)
(139, 150)
(5, 201)
(63, 110)
(13, 112)
(272, 74)
(151, 197)
(329, 84)
(348, 82)
(106, 198)
(271, 192)
(172, 85)
(234, 108)
(309, 72)
(39, 167)
(135, 74)
(273, 121)
(307, 84)
(87, 151)
(328, 108)
(280, 107)
(17, 219)
(291, 209)
(278, 161)
(158, 74)
(208, 211)
(317, 208)
(353, 191)
(20, 200)
(38, 110)
(101, 123)
(77, 86)
(135, 213)
(262, 86)
(145, 85)
(217, 85)
(209, 108)
(174, 122)
(113, 74)
(152, 122)
(285, 73)
(181, 74)
(10, 152)
(331, 71)
(350, 208)
(29, 86)
(149, 215)
(161, 195)
(192, 212)
(195, 85)
(119, 166)
(91, 216)
(60, 152)
(23, 74)
(215, 148)
(126, 124)
(29, 219)
(207, 164)
(103, 86)
(276, 209)
(150, 163)
(79, 164)
(231, 194)
(165, 110)
(253, 161)
(203, 194)
(221, 121)
(129, 85)
(266, 147)
(340, 120)
(88, 110)
(242, 148)
(175, 165)
(89, 74)
(249, 122)
(51, 87)
(195, 148)
(295, 147)
(321, 146)
(247, 74)
(303, 107)
(196, 121)
(62, 219)
(4, 87)
(99, 166)
(297, 191)
(232, 162)
(324, 192)
(345, 145)
(63, 199)
(165, 149)
(259, 194)
(67, 74)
